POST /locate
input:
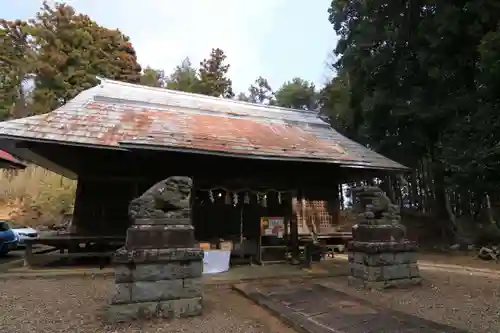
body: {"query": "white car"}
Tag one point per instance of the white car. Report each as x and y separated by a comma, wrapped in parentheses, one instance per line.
(25, 233)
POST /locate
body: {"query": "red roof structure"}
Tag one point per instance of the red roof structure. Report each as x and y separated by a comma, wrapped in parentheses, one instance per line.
(7, 161)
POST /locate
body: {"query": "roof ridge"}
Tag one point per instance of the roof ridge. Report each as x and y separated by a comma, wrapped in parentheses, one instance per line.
(206, 97)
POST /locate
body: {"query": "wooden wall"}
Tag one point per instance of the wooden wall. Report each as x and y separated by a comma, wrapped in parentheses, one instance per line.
(109, 179)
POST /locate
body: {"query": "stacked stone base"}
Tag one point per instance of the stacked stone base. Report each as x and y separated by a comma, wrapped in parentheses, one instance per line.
(151, 283)
(380, 265)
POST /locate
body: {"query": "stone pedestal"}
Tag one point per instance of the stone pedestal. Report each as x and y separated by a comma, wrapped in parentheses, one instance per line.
(158, 271)
(380, 256)
(157, 283)
(379, 265)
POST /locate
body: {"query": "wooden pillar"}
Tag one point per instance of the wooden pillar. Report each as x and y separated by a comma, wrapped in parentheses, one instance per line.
(192, 200)
(28, 255)
(334, 205)
(79, 208)
(294, 230)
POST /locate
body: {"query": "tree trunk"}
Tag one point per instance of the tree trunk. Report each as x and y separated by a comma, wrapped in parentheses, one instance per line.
(415, 200)
(387, 187)
(489, 210)
(341, 197)
(426, 188)
(420, 188)
(431, 185)
(442, 211)
(397, 192)
(465, 203)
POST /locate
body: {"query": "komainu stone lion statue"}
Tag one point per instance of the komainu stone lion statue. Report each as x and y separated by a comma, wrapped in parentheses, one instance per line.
(169, 198)
(378, 219)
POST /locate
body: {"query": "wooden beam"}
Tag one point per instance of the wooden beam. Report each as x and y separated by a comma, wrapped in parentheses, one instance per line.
(40, 160)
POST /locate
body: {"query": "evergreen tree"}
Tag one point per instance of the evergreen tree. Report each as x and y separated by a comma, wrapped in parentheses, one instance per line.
(72, 51)
(153, 77)
(16, 62)
(297, 94)
(213, 76)
(184, 78)
(423, 77)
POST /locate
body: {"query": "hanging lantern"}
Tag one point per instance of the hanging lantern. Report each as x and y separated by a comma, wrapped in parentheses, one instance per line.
(211, 196)
(264, 200)
(279, 198)
(246, 198)
(227, 199)
(258, 197)
(235, 199)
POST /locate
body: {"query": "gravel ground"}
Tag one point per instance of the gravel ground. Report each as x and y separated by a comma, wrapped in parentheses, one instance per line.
(460, 259)
(74, 304)
(463, 301)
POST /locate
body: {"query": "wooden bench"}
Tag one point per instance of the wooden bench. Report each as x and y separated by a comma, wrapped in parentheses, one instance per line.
(69, 246)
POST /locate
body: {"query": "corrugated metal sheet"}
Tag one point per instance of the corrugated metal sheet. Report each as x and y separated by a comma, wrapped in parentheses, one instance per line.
(121, 115)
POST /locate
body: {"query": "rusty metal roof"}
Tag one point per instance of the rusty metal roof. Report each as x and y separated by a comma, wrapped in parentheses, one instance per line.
(126, 116)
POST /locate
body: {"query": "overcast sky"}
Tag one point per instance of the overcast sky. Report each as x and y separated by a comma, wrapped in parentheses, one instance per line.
(278, 39)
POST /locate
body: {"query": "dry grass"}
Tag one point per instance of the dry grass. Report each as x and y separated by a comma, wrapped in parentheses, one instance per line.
(35, 196)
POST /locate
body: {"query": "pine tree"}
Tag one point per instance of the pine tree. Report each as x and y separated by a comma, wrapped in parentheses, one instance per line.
(297, 94)
(261, 92)
(152, 77)
(213, 76)
(16, 61)
(72, 51)
(184, 78)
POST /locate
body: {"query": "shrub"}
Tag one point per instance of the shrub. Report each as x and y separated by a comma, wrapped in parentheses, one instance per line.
(36, 196)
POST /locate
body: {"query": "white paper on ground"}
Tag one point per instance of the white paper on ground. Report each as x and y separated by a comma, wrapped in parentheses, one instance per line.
(216, 261)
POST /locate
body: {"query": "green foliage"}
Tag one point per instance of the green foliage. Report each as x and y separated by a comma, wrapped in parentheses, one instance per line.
(335, 100)
(16, 61)
(261, 92)
(213, 76)
(242, 97)
(71, 51)
(152, 77)
(423, 77)
(116, 58)
(297, 94)
(184, 78)
(412, 69)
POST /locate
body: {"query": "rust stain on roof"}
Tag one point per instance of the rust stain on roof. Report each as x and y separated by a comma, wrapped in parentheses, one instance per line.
(117, 114)
(202, 132)
(236, 134)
